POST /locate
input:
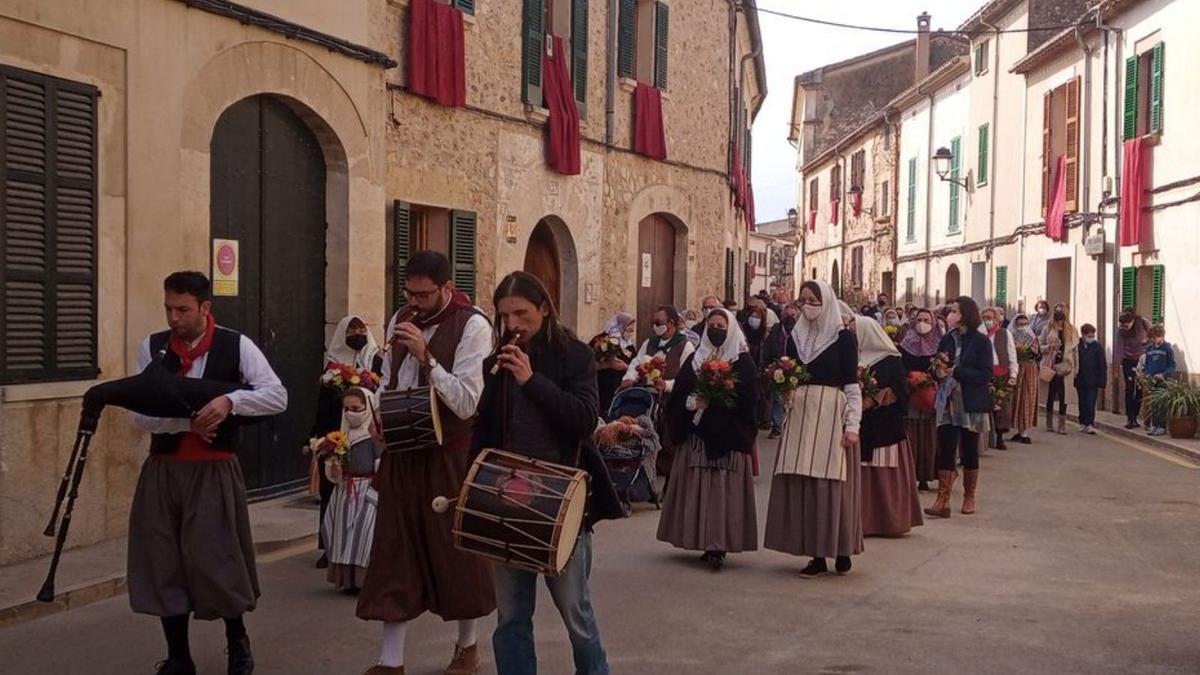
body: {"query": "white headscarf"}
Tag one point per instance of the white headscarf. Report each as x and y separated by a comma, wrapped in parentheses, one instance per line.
(616, 326)
(734, 345)
(354, 435)
(339, 351)
(874, 345)
(814, 337)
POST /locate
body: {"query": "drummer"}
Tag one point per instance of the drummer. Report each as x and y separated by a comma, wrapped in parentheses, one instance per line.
(439, 339)
(542, 403)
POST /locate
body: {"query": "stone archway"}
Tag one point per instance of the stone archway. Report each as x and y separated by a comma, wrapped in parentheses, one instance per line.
(953, 282)
(550, 255)
(673, 206)
(661, 267)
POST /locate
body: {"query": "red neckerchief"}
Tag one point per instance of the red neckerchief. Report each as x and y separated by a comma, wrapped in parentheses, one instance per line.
(187, 354)
(458, 300)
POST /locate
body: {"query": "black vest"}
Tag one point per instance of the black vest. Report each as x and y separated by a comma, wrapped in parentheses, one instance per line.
(224, 364)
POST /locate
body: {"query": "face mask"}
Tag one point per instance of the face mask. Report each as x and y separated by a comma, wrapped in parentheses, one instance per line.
(952, 319)
(1042, 311)
(812, 312)
(754, 322)
(717, 336)
(356, 342)
(989, 324)
(1059, 316)
(924, 328)
(357, 418)
(1022, 326)
(1089, 340)
(660, 330)
(789, 322)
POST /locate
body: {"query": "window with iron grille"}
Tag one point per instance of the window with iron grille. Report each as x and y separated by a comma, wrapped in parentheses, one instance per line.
(48, 234)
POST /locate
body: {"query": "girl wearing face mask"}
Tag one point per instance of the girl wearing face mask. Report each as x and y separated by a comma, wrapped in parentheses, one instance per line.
(1060, 340)
(350, 521)
(918, 346)
(815, 508)
(1025, 396)
(352, 344)
(709, 505)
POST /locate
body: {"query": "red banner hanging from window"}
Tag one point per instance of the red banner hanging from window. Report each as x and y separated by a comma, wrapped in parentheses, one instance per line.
(812, 220)
(436, 53)
(1132, 192)
(1056, 212)
(649, 134)
(835, 206)
(562, 149)
(856, 203)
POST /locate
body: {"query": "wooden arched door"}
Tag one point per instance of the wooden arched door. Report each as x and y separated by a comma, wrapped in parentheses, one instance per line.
(656, 270)
(541, 260)
(953, 283)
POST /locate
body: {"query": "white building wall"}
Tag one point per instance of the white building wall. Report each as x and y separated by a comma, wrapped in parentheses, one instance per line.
(949, 121)
(914, 144)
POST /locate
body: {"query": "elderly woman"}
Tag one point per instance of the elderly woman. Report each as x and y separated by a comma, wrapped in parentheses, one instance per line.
(917, 348)
(815, 506)
(1025, 395)
(1004, 352)
(609, 372)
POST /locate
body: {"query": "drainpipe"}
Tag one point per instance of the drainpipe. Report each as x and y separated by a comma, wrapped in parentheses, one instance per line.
(841, 162)
(928, 198)
(993, 153)
(1085, 112)
(1115, 299)
(893, 211)
(610, 82)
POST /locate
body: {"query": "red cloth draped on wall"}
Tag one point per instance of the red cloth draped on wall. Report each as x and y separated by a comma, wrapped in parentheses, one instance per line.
(436, 53)
(737, 175)
(835, 207)
(562, 150)
(1132, 192)
(1057, 208)
(856, 204)
(649, 134)
(748, 209)
(812, 220)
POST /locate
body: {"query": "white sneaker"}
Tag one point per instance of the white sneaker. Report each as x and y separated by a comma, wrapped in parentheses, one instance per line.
(1090, 430)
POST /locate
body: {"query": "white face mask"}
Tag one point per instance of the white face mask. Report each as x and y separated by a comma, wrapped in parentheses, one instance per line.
(812, 312)
(923, 328)
(988, 324)
(754, 322)
(660, 330)
(357, 418)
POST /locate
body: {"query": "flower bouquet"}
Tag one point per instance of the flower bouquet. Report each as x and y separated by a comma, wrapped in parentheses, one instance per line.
(1001, 390)
(716, 383)
(924, 390)
(785, 374)
(606, 348)
(331, 447)
(893, 332)
(341, 376)
(651, 369)
(938, 362)
(868, 382)
(1026, 353)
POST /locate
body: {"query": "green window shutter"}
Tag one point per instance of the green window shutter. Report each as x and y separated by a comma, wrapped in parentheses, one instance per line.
(1128, 287)
(579, 53)
(462, 251)
(912, 199)
(534, 50)
(984, 131)
(1002, 285)
(1131, 97)
(401, 250)
(465, 6)
(48, 240)
(662, 21)
(1156, 89)
(1158, 297)
(626, 32)
(956, 150)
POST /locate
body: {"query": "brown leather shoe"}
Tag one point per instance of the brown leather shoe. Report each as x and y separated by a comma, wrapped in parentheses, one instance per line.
(465, 661)
(970, 480)
(384, 670)
(941, 506)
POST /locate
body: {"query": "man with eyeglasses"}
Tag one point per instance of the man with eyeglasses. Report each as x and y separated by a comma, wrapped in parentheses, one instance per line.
(438, 340)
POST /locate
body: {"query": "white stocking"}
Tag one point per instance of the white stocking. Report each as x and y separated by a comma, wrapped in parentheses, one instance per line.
(392, 652)
(466, 632)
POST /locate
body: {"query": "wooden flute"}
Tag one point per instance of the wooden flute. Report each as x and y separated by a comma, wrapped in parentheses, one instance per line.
(512, 339)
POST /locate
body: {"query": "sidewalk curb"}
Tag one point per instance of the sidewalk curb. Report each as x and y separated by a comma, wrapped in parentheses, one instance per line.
(113, 586)
(1137, 436)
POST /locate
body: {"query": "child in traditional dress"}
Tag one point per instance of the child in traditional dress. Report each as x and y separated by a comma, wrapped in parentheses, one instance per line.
(350, 520)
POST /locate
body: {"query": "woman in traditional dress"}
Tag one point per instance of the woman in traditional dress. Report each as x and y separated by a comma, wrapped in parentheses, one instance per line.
(709, 505)
(1004, 352)
(964, 403)
(890, 506)
(815, 506)
(1025, 397)
(351, 344)
(609, 373)
(1060, 341)
(350, 520)
(919, 344)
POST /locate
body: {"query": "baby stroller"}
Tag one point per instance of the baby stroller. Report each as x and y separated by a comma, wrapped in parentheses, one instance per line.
(630, 459)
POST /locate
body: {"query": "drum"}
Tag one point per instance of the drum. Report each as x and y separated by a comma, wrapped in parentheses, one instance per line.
(410, 419)
(520, 511)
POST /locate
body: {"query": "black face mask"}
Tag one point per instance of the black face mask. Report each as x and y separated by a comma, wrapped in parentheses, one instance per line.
(789, 323)
(1059, 316)
(356, 342)
(717, 336)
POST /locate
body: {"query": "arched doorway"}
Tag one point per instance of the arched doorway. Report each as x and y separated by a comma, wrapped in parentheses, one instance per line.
(952, 283)
(835, 280)
(657, 272)
(550, 256)
(268, 186)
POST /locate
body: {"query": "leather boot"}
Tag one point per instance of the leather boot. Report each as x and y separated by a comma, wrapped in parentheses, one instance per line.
(465, 661)
(241, 661)
(941, 506)
(1062, 425)
(970, 480)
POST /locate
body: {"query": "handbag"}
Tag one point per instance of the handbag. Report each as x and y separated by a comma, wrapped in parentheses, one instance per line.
(1046, 374)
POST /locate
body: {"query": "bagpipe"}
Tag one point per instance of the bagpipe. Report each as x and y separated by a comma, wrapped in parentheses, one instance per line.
(154, 392)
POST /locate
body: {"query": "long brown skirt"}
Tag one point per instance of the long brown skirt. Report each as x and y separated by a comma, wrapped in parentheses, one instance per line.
(1025, 397)
(816, 517)
(190, 548)
(709, 507)
(922, 441)
(890, 506)
(414, 566)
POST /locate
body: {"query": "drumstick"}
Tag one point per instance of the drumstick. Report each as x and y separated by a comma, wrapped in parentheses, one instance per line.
(442, 504)
(512, 339)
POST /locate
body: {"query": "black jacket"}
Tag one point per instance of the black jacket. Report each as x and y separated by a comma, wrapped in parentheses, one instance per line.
(1092, 372)
(723, 430)
(972, 369)
(884, 425)
(564, 384)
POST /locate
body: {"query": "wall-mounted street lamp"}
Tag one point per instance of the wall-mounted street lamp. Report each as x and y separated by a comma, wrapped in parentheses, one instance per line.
(942, 159)
(857, 191)
(792, 218)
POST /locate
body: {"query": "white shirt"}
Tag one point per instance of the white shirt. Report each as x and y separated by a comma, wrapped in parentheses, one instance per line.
(631, 374)
(460, 388)
(267, 395)
(1009, 359)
